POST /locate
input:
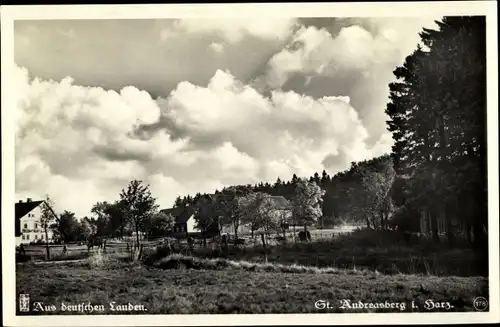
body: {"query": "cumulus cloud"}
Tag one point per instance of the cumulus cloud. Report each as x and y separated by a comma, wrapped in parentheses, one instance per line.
(82, 144)
(351, 56)
(193, 105)
(217, 47)
(313, 56)
(316, 51)
(68, 136)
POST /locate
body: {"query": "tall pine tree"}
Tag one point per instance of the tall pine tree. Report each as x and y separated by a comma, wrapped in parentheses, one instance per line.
(437, 116)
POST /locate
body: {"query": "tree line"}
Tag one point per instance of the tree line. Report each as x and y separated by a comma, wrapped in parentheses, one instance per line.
(361, 194)
(137, 212)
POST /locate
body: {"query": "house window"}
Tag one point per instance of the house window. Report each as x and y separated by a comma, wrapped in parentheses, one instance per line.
(36, 237)
(22, 236)
(36, 225)
(28, 237)
(25, 225)
(41, 237)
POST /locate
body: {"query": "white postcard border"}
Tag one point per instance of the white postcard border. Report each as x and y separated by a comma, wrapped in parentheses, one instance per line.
(394, 9)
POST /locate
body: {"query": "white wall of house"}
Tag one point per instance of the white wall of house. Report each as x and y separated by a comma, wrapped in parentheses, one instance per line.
(191, 223)
(31, 227)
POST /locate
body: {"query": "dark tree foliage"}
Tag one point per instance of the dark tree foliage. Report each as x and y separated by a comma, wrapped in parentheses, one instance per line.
(437, 113)
(66, 228)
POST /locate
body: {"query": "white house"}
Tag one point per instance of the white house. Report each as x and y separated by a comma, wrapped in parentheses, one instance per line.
(28, 225)
(184, 220)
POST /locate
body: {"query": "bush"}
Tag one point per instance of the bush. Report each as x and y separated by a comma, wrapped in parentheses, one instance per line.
(405, 220)
(22, 257)
(151, 256)
(97, 260)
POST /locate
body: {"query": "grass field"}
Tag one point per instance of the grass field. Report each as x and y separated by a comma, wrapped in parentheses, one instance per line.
(377, 251)
(74, 251)
(234, 291)
(363, 266)
(365, 249)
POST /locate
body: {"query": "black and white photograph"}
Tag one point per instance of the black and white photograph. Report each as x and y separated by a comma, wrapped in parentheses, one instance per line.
(247, 161)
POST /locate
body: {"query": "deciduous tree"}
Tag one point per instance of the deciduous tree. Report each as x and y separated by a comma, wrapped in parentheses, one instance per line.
(66, 227)
(138, 205)
(47, 218)
(159, 224)
(307, 204)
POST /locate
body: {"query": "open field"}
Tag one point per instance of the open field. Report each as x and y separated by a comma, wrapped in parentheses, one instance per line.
(362, 266)
(233, 291)
(384, 252)
(75, 251)
(316, 234)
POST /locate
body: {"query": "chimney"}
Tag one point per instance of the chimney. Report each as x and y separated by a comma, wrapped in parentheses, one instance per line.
(28, 200)
(20, 201)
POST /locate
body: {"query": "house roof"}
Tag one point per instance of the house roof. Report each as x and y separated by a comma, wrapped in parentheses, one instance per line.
(177, 211)
(21, 210)
(181, 215)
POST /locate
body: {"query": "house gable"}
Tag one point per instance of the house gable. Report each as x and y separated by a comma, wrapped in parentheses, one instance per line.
(22, 209)
(181, 215)
(28, 224)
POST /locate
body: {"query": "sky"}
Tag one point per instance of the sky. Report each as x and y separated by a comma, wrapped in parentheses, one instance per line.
(193, 105)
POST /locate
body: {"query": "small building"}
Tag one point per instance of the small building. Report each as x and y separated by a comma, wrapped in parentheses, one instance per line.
(184, 219)
(28, 226)
(185, 223)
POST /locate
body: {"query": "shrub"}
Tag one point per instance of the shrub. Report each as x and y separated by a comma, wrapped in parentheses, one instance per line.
(98, 259)
(162, 250)
(22, 257)
(405, 220)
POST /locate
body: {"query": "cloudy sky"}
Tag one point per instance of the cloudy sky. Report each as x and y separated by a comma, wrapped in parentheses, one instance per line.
(193, 105)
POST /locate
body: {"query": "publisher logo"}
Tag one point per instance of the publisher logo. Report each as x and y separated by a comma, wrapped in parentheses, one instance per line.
(480, 303)
(24, 302)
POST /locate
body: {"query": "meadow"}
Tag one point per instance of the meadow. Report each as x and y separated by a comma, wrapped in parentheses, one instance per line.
(355, 266)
